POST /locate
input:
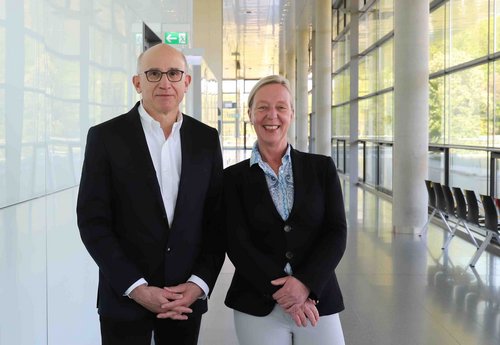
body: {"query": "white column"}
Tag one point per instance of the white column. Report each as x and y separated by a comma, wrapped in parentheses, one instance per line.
(323, 89)
(291, 54)
(411, 111)
(282, 60)
(301, 107)
(352, 164)
(312, 125)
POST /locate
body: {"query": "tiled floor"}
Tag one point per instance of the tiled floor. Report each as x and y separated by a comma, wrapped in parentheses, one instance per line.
(398, 289)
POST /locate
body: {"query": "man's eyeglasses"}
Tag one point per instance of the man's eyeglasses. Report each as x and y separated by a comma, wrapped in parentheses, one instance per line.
(155, 75)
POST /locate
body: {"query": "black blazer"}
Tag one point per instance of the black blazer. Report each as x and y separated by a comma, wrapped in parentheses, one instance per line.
(313, 239)
(122, 218)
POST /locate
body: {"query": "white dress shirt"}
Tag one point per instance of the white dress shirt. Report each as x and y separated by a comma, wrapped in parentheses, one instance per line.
(166, 155)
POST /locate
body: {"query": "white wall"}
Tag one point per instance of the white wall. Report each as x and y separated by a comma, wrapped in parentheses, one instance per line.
(64, 66)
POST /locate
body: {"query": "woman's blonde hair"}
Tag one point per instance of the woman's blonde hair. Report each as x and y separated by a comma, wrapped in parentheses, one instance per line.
(270, 79)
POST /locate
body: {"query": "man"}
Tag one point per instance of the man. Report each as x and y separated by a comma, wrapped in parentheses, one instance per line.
(148, 210)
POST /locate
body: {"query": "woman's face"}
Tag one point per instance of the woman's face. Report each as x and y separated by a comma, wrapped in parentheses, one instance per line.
(271, 114)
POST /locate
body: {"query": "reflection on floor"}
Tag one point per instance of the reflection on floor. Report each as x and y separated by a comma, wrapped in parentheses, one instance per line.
(398, 289)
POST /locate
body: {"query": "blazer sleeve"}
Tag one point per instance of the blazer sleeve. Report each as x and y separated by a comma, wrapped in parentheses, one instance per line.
(257, 267)
(95, 216)
(329, 247)
(209, 262)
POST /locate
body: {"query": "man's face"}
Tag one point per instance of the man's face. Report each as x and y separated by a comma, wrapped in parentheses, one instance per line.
(164, 96)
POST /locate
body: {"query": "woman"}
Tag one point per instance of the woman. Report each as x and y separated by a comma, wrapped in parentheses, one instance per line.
(286, 232)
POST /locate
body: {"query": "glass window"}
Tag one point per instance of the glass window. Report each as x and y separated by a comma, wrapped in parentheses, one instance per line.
(363, 33)
(35, 61)
(340, 121)
(496, 178)
(335, 23)
(467, 104)
(102, 14)
(249, 84)
(495, 142)
(341, 147)
(336, 119)
(309, 103)
(368, 74)
(346, 124)
(340, 87)
(347, 48)
(386, 17)
(496, 25)
(64, 77)
(335, 153)
(436, 111)
(361, 160)
(336, 87)
(385, 167)
(368, 28)
(372, 16)
(385, 116)
(32, 18)
(468, 170)
(436, 166)
(437, 40)
(346, 90)
(340, 52)
(2, 54)
(371, 163)
(338, 154)
(386, 65)
(64, 130)
(228, 86)
(347, 13)
(335, 55)
(468, 37)
(228, 134)
(367, 118)
(228, 113)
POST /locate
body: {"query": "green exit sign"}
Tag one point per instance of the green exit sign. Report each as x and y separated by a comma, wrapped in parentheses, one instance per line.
(174, 37)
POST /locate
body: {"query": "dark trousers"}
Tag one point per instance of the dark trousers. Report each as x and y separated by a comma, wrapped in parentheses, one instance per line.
(138, 332)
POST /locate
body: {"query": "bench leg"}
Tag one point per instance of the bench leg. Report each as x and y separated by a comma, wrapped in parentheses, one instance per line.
(452, 234)
(481, 249)
(425, 227)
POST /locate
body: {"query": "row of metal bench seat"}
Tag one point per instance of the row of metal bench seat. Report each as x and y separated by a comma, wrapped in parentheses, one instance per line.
(462, 208)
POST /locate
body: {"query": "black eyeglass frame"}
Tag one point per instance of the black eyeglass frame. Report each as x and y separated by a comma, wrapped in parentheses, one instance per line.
(167, 73)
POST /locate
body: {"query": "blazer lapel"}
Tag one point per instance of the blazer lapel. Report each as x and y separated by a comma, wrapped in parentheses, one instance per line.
(259, 190)
(300, 180)
(143, 156)
(189, 168)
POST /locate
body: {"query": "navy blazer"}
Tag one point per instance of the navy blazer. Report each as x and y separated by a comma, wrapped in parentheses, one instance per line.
(122, 219)
(260, 243)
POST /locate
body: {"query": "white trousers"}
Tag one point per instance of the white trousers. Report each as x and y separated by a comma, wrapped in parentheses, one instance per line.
(278, 328)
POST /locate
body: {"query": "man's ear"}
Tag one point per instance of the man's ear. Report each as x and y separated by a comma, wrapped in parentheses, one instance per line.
(187, 81)
(136, 80)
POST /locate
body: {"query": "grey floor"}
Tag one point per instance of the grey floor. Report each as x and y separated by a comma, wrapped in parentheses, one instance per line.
(398, 289)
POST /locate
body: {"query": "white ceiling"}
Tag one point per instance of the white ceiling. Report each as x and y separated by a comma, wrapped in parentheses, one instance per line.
(250, 31)
(251, 37)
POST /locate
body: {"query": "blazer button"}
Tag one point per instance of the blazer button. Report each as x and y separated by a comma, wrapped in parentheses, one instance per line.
(289, 255)
(168, 250)
(287, 228)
